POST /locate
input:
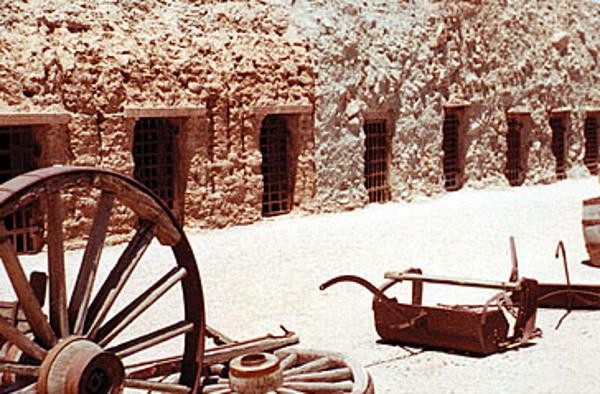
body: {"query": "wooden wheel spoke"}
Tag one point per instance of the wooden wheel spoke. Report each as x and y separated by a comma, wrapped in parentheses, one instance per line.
(157, 386)
(20, 388)
(25, 293)
(19, 369)
(56, 266)
(333, 375)
(288, 361)
(226, 390)
(14, 336)
(217, 388)
(151, 339)
(283, 390)
(118, 276)
(320, 387)
(120, 321)
(312, 366)
(89, 265)
(154, 368)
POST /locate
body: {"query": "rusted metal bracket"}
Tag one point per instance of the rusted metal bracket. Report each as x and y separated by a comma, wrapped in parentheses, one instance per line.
(566, 295)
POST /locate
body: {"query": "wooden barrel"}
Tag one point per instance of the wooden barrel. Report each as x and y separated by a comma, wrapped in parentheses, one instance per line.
(591, 229)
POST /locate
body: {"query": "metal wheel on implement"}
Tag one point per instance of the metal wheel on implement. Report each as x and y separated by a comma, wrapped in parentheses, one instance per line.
(96, 329)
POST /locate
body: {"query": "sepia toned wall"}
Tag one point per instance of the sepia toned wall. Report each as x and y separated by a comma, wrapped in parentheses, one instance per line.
(414, 58)
(217, 68)
(222, 61)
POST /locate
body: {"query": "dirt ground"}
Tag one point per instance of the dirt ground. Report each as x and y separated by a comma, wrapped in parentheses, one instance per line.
(279, 264)
(259, 276)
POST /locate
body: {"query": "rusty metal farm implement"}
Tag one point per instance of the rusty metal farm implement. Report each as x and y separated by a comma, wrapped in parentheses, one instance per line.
(480, 329)
(94, 335)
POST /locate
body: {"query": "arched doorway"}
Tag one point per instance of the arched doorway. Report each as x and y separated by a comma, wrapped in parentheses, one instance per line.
(274, 147)
(453, 163)
(558, 124)
(153, 155)
(376, 157)
(515, 162)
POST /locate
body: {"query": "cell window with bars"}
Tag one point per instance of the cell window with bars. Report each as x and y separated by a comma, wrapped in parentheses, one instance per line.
(17, 156)
(153, 149)
(590, 129)
(557, 124)
(274, 138)
(376, 149)
(514, 162)
(453, 167)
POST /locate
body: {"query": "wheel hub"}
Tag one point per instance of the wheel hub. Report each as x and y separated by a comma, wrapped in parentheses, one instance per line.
(78, 366)
(255, 373)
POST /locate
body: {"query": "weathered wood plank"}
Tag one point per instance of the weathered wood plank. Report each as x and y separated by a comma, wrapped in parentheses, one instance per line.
(59, 319)
(152, 339)
(119, 276)
(25, 293)
(122, 319)
(14, 336)
(89, 265)
(144, 206)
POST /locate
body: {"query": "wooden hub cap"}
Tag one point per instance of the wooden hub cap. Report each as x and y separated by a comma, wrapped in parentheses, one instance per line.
(79, 366)
(255, 373)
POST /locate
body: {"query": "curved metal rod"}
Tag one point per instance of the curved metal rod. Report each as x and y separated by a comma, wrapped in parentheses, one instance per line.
(494, 299)
(561, 248)
(356, 279)
(386, 285)
(514, 273)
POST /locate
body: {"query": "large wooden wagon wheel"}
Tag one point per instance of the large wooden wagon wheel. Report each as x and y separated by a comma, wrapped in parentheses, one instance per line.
(76, 344)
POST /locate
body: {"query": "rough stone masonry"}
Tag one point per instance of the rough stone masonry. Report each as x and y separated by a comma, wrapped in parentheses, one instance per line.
(84, 75)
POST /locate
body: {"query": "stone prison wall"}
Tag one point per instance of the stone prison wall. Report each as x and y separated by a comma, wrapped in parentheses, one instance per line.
(237, 110)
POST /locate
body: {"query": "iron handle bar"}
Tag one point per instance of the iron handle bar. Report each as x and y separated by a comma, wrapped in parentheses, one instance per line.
(485, 284)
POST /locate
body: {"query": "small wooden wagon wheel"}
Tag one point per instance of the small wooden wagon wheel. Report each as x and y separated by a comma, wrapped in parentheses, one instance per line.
(76, 344)
(303, 371)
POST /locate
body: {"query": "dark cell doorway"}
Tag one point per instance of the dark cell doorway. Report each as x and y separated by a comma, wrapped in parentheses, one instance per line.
(376, 153)
(514, 162)
(558, 126)
(453, 165)
(590, 130)
(274, 141)
(153, 155)
(17, 156)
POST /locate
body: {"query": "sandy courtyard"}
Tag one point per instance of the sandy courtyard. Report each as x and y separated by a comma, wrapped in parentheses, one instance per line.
(279, 265)
(259, 276)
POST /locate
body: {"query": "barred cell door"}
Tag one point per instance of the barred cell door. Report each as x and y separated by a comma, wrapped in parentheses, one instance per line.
(17, 155)
(376, 160)
(153, 150)
(451, 147)
(591, 144)
(274, 137)
(513, 154)
(557, 125)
